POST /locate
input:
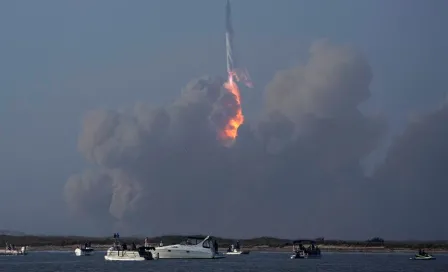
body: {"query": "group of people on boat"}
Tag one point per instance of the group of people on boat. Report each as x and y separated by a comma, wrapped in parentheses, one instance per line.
(236, 247)
(10, 246)
(422, 252)
(87, 245)
(123, 246)
(310, 250)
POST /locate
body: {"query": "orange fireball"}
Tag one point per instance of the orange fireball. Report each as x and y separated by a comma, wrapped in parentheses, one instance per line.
(230, 130)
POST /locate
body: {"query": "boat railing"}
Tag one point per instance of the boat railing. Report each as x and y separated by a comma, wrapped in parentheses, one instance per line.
(122, 253)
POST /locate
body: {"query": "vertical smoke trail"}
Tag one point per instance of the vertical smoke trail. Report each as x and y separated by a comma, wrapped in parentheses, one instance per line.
(229, 40)
(237, 73)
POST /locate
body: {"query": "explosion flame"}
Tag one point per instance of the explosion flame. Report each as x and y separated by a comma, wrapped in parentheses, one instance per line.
(230, 131)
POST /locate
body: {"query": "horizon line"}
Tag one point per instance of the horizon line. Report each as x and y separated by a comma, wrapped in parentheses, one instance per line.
(222, 237)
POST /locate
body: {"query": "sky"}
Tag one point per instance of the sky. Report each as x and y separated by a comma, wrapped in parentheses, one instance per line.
(105, 110)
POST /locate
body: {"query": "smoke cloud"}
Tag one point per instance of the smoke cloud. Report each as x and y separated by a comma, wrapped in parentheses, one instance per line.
(411, 184)
(294, 172)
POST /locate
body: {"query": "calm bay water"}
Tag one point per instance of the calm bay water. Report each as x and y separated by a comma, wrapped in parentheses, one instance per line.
(254, 262)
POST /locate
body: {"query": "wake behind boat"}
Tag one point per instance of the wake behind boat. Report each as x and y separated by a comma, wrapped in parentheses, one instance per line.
(120, 252)
(192, 248)
(236, 250)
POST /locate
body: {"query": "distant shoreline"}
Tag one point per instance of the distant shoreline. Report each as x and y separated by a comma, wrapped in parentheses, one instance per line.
(272, 244)
(324, 248)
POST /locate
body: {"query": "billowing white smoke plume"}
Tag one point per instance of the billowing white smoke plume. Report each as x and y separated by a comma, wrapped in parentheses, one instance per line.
(295, 172)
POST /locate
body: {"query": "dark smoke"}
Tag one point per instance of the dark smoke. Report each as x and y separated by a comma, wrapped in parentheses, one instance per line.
(412, 183)
(294, 172)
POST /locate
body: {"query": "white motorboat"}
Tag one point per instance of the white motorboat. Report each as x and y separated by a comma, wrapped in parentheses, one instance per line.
(423, 258)
(236, 250)
(120, 252)
(117, 255)
(192, 248)
(142, 254)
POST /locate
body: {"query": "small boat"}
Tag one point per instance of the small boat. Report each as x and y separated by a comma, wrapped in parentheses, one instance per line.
(422, 257)
(119, 252)
(236, 250)
(11, 250)
(87, 250)
(192, 248)
(302, 252)
(142, 254)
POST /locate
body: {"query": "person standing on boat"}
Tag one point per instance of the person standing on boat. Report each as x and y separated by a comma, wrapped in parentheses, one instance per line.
(422, 252)
(146, 242)
(215, 245)
(237, 245)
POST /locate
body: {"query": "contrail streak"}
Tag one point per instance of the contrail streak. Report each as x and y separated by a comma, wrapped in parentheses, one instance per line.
(237, 73)
(229, 39)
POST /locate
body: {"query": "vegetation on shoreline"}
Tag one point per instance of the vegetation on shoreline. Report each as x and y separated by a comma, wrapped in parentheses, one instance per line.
(60, 241)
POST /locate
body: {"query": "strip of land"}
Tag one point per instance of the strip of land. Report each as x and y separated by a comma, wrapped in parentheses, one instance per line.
(69, 243)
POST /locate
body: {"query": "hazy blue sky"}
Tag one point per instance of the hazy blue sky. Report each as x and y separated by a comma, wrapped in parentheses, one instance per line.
(59, 59)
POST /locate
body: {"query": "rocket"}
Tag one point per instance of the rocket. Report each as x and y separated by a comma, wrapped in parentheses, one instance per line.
(229, 39)
(237, 73)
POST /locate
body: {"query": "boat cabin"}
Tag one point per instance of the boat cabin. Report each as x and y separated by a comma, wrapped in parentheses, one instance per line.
(207, 242)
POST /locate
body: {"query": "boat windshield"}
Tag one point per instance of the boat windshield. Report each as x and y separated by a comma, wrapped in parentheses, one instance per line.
(191, 241)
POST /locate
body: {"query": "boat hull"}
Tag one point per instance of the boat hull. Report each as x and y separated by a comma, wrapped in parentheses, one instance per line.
(83, 252)
(300, 256)
(13, 252)
(244, 252)
(114, 255)
(125, 259)
(422, 258)
(180, 253)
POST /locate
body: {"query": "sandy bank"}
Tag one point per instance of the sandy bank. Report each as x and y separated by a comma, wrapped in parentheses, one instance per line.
(324, 248)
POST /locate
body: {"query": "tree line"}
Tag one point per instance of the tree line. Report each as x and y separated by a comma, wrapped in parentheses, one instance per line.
(36, 241)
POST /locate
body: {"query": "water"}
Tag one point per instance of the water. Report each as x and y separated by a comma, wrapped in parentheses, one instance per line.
(254, 262)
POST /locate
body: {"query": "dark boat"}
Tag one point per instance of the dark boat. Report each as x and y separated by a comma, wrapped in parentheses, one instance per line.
(302, 252)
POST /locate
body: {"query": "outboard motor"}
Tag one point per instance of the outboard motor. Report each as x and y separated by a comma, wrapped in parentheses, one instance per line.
(147, 253)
